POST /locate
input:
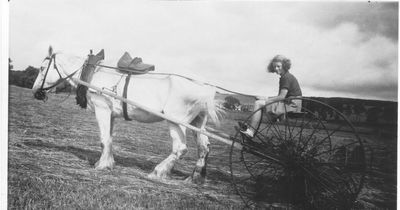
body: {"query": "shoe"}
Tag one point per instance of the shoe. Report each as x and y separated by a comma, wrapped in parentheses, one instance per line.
(242, 126)
(246, 130)
(274, 118)
(248, 133)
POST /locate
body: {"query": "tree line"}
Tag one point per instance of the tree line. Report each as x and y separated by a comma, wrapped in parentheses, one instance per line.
(24, 78)
(357, 110)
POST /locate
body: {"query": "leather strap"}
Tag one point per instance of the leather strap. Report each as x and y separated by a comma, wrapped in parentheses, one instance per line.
(124, 94)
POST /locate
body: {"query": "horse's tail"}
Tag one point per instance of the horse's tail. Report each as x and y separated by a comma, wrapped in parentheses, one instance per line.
(214, 111)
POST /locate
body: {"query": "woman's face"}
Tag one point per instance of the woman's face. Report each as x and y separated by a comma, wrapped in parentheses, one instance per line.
(277, 66)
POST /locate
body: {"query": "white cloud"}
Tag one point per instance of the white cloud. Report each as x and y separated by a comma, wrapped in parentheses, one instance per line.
(225, 43)
(349, 62)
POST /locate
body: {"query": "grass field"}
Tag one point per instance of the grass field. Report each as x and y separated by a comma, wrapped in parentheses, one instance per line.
(53, 147)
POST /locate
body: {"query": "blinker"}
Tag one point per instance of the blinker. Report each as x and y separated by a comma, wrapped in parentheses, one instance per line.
(40, 95)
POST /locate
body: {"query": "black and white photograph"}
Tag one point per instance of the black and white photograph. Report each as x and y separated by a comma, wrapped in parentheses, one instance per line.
(199, 104)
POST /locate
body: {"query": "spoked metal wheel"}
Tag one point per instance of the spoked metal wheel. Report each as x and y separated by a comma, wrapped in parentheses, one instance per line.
(299, 159)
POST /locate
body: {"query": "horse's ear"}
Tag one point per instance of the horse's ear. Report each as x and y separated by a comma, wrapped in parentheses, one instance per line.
(101, 54)
(50, 51)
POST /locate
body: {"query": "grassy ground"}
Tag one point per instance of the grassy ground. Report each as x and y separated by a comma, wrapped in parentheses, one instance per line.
(53, 147)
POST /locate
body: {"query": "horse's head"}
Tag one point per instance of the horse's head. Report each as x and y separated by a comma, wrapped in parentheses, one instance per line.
(47, 77)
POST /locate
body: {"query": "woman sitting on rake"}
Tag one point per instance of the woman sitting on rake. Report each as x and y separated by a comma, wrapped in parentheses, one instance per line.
(288, 87)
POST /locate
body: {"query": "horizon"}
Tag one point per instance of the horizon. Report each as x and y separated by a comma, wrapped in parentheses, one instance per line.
(243, 95)
(325, 97)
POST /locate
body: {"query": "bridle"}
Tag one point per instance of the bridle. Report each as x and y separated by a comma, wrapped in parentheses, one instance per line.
(41, 92)
(53, 57)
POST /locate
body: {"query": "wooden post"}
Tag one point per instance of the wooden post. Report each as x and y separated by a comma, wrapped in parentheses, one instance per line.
(159, 114)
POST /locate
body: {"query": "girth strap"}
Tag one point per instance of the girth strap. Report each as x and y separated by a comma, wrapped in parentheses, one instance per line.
(124, 94)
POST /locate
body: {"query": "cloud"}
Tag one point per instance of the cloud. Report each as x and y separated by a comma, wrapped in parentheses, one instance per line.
(337, 49)
(373, 19)
(377, 90)
(344, 62)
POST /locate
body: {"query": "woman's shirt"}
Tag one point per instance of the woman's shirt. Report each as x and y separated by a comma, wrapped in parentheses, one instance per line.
(289, 82)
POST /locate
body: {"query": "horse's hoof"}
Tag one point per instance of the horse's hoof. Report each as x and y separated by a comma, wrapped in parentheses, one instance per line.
(188, 180)
(99, 166)
(155, 175)
(195, 180)
(152, 175)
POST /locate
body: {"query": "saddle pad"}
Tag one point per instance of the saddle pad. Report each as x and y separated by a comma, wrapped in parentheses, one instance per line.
(135, 65)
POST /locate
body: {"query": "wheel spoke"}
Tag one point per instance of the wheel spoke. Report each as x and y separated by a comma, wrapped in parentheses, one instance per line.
(302, 128)
(253, 163)
(261, 137)
(334, 131)
(295, 125)
(312, 134)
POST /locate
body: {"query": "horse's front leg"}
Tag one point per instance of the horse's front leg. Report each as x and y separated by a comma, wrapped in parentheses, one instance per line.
(106, 124)
(179, 148)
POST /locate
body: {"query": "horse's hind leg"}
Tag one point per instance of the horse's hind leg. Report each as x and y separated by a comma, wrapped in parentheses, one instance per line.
(199, 173)
(179, 148)
(106, 124)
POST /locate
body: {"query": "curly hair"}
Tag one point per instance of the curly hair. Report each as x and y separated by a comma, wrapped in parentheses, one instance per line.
(286, 63)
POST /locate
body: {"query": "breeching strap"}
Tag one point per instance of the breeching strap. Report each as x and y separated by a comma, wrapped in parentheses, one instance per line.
(124, 94)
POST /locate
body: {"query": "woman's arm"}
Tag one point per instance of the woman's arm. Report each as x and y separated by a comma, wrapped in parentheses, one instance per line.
(282, 95)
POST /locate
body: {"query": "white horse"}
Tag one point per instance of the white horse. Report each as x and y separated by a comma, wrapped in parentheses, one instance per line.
(186, 100)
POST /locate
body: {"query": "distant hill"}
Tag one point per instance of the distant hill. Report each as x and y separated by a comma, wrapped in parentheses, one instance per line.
(328, 100)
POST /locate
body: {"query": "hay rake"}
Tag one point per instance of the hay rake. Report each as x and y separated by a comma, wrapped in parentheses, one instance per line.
(303, 160)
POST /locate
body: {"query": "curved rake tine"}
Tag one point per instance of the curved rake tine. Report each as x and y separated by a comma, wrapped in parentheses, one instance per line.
(321, 182)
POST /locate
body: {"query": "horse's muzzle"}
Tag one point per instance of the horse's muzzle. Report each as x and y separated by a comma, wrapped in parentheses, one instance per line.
(40, 95)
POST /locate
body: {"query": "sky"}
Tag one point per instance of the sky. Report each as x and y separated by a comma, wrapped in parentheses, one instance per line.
(337, 49)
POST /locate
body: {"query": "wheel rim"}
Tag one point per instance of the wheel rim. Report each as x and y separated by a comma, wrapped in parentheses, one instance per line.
(321, 164)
